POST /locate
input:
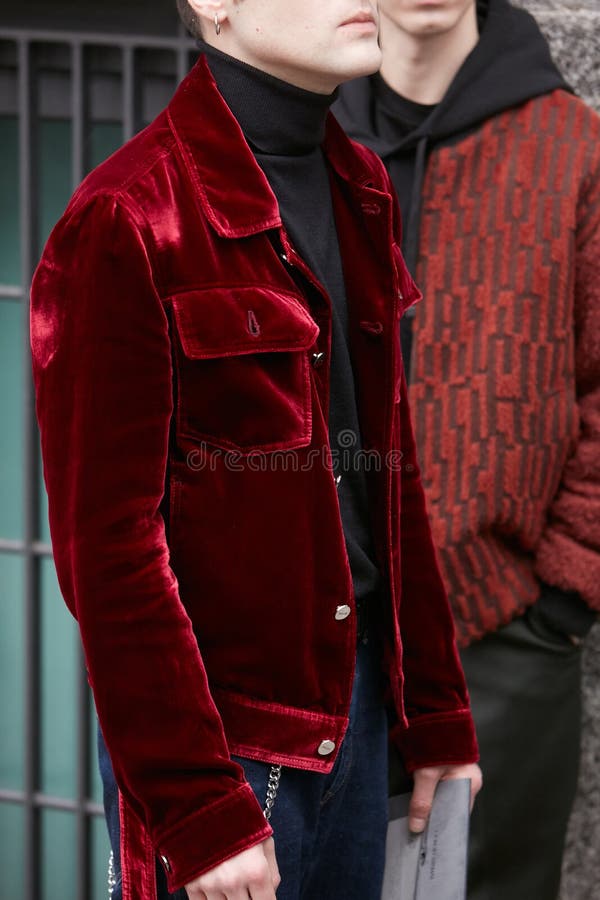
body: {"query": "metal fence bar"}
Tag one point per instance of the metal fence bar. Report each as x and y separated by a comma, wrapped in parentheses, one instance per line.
(183, 45)
(37, 548)
(8, 291)
(9, 546)
(47, 801)
(128, 92)
(96, 38)
(30, 499)
(77, 114)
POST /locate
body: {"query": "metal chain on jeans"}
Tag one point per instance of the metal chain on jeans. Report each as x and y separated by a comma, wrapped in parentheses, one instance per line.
(272, 788)
(112, 875)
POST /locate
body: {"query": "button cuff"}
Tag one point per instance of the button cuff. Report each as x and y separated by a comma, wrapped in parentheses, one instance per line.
(326, 747)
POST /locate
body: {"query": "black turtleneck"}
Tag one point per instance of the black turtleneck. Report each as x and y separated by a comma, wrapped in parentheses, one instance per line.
(396, 116)
(284, 127)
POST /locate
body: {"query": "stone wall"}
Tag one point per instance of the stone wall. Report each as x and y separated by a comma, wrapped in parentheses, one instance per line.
(573, 29)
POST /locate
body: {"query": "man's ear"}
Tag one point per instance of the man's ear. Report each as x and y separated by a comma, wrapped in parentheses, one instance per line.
(209, 12)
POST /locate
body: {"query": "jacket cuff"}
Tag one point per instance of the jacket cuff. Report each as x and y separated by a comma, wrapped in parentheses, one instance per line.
(439, 739)
(209, 837)
(565, 611)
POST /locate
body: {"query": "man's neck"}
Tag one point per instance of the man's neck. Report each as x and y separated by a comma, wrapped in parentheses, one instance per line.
(307, 80)
(421, 68)
(277, 118)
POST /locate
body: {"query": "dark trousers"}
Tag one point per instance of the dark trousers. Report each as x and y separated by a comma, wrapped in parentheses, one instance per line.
(329, 830)
(525, 687)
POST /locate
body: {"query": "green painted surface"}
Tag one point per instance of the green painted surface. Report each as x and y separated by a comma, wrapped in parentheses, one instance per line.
(11, 417)
(12, 860)
(54, 173)
(10, 256)
(58, 688)
(100, 853)
(11, 674)
(59, 860)
(104, 139)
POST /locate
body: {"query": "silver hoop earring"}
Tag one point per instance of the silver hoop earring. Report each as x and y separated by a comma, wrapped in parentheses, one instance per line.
(217, 24)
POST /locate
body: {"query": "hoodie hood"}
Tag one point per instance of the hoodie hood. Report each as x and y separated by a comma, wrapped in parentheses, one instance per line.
(510, 64)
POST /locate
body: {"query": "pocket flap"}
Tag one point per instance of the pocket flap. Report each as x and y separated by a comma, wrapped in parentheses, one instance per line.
(230, 321)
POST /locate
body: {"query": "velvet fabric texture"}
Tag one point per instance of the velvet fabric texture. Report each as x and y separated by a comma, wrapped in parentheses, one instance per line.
(194, 516)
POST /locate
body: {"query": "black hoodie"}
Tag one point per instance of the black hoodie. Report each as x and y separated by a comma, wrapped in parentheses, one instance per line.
(510, 64)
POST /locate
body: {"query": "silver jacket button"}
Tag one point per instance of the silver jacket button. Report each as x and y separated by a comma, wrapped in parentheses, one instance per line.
(165, 862)
(342, 612)
(317, 360)
(326, 747)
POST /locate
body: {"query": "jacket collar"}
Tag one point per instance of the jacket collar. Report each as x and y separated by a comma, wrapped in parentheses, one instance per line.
(215, 152)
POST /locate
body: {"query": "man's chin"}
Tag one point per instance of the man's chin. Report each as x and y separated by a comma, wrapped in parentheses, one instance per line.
(428, 26)
(363, 62)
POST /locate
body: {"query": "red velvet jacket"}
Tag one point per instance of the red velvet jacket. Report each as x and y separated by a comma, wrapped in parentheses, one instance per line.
(194, 517)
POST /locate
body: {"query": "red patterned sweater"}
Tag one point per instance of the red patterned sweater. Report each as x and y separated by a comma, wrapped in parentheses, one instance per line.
(505, 379)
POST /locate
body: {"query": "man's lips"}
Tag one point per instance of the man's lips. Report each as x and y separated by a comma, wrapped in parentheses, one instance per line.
(361, 18)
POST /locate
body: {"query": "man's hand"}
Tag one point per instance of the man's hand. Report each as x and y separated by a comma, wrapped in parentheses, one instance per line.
(426, 781)
(251, 875)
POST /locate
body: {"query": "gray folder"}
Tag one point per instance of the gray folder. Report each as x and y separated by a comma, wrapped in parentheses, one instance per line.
(432, 865)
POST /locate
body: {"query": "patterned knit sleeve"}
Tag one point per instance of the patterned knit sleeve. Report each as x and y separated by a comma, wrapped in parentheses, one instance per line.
(568, 555)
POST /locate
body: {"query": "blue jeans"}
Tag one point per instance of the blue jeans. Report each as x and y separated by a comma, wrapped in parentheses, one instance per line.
(329, 830)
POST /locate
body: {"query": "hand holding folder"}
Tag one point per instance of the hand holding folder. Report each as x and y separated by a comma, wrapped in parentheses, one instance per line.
(431, 865)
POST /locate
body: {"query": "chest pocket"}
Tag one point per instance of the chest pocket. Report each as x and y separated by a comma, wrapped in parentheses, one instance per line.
(243, 370)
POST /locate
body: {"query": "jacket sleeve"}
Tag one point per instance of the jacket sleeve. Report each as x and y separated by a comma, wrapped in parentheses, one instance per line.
(568, 555)
(102, 372)
(439, 728)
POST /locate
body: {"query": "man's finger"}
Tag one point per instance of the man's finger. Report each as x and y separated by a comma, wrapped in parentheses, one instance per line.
(269, 849)
(476, 784)
(260, 886)
(421, 800)
(263, 893)
(470, 771)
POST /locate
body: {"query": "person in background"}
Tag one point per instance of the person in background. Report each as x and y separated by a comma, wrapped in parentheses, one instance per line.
(214, 316)
(497, 167)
